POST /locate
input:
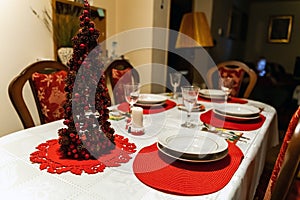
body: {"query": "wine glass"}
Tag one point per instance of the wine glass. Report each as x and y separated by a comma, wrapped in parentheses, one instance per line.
(226, 84)
(175, 79)
(131, 93)
(189, 96)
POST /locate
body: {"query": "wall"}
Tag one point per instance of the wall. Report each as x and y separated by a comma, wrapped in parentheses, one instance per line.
(23, 39)
(257, 44)
(226, 48)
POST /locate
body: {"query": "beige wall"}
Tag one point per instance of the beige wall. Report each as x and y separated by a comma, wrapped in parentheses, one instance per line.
(23, 38)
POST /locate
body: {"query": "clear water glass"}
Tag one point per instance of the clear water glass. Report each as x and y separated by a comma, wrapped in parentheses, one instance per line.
(226, 84)
(131, 92)
(175, 79)
(189, 97)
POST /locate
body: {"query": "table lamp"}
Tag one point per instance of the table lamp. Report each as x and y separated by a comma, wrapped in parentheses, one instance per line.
(195, 26)
(194, 33)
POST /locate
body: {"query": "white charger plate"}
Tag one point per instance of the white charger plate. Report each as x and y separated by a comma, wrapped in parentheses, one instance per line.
(198, 147)
(188, 158)
(212, 93)
(151, 99)
(235, 118)
(237, 110)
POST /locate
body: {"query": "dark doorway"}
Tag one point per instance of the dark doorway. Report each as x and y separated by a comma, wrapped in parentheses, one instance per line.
(178, 9)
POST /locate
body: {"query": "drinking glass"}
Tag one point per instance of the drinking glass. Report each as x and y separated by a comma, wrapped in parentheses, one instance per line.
(189, 96)
(131, 93)
(175, 79)
(226, 84)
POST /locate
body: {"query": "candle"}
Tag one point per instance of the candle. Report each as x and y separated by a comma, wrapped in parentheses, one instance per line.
(137, 117)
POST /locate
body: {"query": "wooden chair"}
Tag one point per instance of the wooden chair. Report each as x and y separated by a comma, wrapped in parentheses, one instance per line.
(41, 72)
(118, 73)
(239, 71)
(287, 164)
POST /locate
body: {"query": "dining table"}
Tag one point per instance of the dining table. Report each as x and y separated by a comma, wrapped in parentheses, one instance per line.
(141, 177)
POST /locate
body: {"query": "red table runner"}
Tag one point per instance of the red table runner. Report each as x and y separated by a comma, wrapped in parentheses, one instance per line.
(210, 118)
(230, 100)
(166, 174)
(49, 158)
(149, 109)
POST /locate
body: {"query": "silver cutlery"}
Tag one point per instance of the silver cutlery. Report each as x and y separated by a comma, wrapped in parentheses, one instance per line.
(226, 134)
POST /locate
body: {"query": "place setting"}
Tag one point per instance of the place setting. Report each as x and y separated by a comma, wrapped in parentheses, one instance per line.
(183, 157)
(221, 95)
(151, 103)
(234, 116)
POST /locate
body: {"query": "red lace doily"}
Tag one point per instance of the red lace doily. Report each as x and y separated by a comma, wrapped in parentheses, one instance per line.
(49, 158)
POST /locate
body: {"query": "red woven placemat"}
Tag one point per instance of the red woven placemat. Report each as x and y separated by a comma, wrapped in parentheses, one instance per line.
(210, 118)
(150, 109)
(49, 158)
(166, 174)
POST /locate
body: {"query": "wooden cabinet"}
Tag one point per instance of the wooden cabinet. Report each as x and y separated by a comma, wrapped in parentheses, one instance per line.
(66, 22)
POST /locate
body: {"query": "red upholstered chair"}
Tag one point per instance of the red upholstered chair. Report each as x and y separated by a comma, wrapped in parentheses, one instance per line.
(47, 82)
(118, 73)
(237, 70)
(286, 167)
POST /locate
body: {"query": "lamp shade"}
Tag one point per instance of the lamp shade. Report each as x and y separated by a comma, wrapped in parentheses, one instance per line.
(194, 31)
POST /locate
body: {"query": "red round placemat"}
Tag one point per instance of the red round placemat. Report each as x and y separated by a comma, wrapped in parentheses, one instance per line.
(49, 158)
(210, 118)
(150, 109)
(166, 174)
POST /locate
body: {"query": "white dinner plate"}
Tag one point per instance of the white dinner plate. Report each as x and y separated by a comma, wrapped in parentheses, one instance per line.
(235, 118)
(237, 110)
(198, 147)
(151, 99)
(192, 158)
(150, 104)
(212, 93)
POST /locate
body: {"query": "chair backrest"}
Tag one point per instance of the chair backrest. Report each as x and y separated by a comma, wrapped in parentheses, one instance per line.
(46, 79)
(239, 71)
(287, 162)
(118, 73)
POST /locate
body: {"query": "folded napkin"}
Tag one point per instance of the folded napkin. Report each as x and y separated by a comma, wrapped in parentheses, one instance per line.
(149, 109)
(167, 174)
(230, 100)
(209, 117)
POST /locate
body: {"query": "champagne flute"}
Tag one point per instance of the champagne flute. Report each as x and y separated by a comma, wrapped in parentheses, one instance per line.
(226, 86)
(131, 92)
(175, 79)
(189, 96)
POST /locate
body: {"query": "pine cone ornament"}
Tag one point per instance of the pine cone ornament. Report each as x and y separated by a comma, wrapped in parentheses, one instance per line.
(89, 133)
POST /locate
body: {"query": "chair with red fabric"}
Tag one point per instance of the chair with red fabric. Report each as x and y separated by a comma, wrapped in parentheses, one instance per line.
(240, 73)
(47, 83)
(118, 73)
(283, 180)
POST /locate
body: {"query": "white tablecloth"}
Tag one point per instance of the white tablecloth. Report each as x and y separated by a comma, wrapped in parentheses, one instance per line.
(20, 179)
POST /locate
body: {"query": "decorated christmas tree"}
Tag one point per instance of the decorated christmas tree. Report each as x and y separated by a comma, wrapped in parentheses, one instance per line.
(88, 134)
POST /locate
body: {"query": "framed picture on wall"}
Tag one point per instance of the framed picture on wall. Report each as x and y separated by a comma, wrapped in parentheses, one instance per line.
(280, 28)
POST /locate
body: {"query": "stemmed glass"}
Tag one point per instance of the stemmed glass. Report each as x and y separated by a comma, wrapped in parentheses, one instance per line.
(131, 92)
(226, 84)
(175, 79)
(189, 96)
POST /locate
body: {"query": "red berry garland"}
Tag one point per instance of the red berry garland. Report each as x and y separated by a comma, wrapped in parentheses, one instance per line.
(83, 138)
